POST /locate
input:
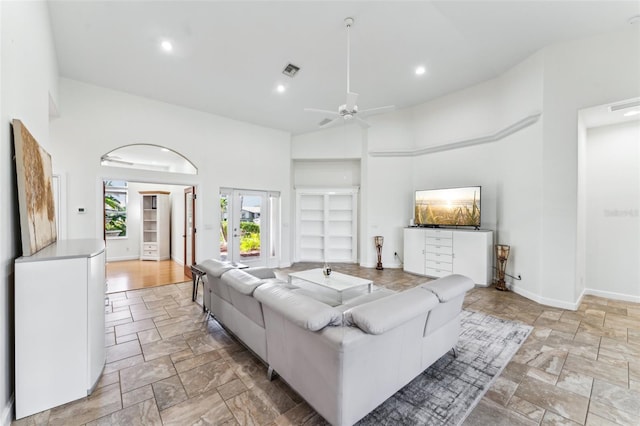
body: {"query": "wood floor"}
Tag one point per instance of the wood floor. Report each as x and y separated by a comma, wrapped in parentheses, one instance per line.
(139, 274)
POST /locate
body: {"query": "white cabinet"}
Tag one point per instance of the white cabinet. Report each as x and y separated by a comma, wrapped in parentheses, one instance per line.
(156, 225)
(326, 225)
(441, 252)
(59, 324)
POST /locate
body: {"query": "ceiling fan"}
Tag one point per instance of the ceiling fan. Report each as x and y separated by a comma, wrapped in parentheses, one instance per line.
(349, 110)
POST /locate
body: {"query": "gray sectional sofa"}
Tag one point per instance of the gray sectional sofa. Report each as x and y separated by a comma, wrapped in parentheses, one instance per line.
(343, 360)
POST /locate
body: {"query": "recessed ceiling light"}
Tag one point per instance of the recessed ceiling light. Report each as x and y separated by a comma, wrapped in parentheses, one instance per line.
(280, 88)
(420, 70)
(631, 113)
(166, 46)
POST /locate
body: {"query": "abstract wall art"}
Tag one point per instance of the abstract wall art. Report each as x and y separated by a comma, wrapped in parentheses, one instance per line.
(34, 176)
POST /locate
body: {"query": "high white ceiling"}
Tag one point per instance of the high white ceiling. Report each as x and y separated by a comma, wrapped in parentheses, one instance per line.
(228, 56)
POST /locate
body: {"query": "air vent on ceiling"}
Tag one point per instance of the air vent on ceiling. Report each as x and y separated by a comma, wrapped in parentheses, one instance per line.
(626, 105)
(290, 70)
(325, 121)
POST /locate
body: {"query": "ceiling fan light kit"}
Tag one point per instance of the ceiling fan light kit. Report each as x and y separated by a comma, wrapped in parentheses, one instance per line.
(349, 110)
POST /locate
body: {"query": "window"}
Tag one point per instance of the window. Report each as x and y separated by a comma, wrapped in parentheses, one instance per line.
(115, 208)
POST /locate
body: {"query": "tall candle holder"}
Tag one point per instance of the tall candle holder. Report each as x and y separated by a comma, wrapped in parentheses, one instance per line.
(502, 254)
(378, 240)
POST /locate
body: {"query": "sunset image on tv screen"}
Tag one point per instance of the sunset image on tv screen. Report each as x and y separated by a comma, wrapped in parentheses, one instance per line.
(448, 207)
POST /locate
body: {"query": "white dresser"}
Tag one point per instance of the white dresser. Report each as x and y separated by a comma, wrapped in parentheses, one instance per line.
(440, 252)
(59, 324)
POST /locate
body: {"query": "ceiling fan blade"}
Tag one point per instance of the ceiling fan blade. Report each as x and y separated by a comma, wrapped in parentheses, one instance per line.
(363, 123)
(331, 122)
(323, 111)
(378, 110)
(352, 98)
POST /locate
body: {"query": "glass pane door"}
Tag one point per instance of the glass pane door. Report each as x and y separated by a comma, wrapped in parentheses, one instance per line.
(250, 240)
(224, 222)
(244, 226)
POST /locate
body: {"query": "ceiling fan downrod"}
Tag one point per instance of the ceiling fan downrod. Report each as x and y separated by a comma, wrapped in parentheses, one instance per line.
(348, 22)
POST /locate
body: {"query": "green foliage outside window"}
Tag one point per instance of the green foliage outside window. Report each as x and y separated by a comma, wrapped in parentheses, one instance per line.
(115, 221)
(250, 242)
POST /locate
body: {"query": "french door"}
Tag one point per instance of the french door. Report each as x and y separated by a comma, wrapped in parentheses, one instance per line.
(249, 226)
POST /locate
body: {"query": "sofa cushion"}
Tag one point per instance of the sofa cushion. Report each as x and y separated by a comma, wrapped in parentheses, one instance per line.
(261, 272)
(384, 314)
(241, 281)
(365, 298)
(214, 268)
(303, 311)
(449, 287)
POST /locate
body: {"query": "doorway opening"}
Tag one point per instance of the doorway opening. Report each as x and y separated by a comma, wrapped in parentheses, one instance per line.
(135, 230)
(149, 233)
(609, 201)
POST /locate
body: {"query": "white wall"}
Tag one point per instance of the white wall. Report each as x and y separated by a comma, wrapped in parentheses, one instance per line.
(326, 173)
(94, 121)
(342, 141)
(613, 210)
(508, 170)
(529, 178)
(28, 77)
(578, 74)
(581, 220)
(128, 248)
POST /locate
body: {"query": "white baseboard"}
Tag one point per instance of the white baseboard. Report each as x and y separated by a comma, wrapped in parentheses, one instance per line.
(384, 265)
(178, 261)
(611, 295)
(574, 306)
(7, 412)
(545, 300)
(120, 259)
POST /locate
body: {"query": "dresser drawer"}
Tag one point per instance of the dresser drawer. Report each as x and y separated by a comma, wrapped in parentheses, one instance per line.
(439, 249)
(438, 273)
(150, 246)
(438, 233)
(439, 257)
(152, 253)
(434, 264)
(438, 241)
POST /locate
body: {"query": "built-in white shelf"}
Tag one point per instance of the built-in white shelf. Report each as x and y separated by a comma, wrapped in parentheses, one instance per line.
(326, 224)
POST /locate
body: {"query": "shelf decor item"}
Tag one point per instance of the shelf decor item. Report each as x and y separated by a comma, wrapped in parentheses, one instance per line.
(378, 241)
(502, 254)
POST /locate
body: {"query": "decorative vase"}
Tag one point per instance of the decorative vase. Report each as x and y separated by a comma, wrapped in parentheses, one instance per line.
(326, 270)
(502, 254)
(378, 240)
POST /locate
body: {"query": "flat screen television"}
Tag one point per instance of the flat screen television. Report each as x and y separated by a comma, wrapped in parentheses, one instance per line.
(448, 207)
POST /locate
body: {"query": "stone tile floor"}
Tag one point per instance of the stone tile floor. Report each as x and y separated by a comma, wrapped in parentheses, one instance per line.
(168, 363)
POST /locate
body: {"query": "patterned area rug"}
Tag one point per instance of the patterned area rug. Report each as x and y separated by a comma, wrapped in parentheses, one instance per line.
(446, 392)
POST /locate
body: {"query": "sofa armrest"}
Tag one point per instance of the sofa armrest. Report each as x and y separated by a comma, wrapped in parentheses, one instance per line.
(301, 310)
(214, 268)
(449, 287)
(384, 314)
